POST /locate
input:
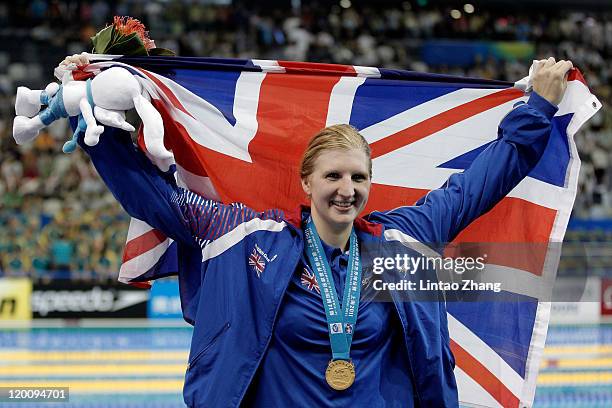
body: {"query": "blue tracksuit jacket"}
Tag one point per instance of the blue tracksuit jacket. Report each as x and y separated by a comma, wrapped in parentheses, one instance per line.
(234, 311)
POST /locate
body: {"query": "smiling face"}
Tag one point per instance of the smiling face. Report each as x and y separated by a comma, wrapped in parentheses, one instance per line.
(338, 188)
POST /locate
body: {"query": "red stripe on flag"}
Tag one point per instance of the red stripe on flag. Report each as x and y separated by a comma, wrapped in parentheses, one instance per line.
(140, 139)
(314, 68)
(145, 242)
(280, 97)
(485, 378)
(169, 94)
(441, 121)
(187, 153)
(576, 75)
(171, 127)
(268, 182)
(80, 74)
(515, 233)
(384, 197)
(141, 285)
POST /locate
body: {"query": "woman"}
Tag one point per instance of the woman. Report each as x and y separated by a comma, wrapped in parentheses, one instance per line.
(270, 326)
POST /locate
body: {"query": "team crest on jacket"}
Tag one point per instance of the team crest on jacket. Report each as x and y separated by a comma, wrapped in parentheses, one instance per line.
(309, 281)
(257, 262)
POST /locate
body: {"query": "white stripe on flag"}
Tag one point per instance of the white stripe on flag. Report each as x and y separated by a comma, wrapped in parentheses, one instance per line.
(578, 99)
(140, 264)
(269, 66)
(422, 112)
(199, 184)
(534, 357)
(366, 72)
(410, 242)
(472, 391)
(514, 280)
(404, 166)
(208, 127)
(485, 355)
(341, 100)
(137, 228)
(542, 193)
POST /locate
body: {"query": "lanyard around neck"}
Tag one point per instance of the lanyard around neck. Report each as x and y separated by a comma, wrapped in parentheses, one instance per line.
(341, 320)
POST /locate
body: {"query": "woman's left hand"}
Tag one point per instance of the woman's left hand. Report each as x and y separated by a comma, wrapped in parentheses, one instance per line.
(550, 79)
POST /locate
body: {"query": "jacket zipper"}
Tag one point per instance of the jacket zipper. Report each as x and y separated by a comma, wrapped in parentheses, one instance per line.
(210, 343)
(294, 264)
(414, 385)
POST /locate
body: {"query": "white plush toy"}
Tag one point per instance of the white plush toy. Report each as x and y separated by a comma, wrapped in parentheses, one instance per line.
(104, 98)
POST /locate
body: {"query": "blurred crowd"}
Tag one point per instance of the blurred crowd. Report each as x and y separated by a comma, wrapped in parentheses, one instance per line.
(55, 213)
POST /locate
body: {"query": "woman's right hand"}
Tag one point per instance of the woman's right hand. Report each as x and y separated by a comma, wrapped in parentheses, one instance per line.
(550, 79)
(77, 59)
(64, 69)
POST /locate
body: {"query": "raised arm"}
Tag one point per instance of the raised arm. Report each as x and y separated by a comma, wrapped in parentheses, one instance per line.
(142, 190)
(150, 195)
(522, 137)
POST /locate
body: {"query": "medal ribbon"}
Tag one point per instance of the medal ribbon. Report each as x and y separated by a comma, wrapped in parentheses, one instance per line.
(338, 319)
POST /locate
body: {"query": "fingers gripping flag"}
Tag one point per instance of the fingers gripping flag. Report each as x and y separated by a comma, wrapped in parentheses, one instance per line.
(237, 129)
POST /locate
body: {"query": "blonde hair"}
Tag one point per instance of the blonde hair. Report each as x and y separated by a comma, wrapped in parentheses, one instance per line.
(343, 137)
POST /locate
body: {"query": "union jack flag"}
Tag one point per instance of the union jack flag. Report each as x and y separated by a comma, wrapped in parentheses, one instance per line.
(233, 123)
(257, 263)
(309, 281)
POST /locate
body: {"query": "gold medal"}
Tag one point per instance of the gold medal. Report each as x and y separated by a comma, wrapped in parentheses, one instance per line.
(340, 374)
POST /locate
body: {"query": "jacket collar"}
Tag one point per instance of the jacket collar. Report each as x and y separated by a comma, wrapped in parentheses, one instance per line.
(299, 215)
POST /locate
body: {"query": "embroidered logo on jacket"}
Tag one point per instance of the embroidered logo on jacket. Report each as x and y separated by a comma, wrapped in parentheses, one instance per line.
(265, 256)
(309, 281)
(257, 262)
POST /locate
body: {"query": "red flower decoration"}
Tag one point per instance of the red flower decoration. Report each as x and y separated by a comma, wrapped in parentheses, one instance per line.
(129, 25)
